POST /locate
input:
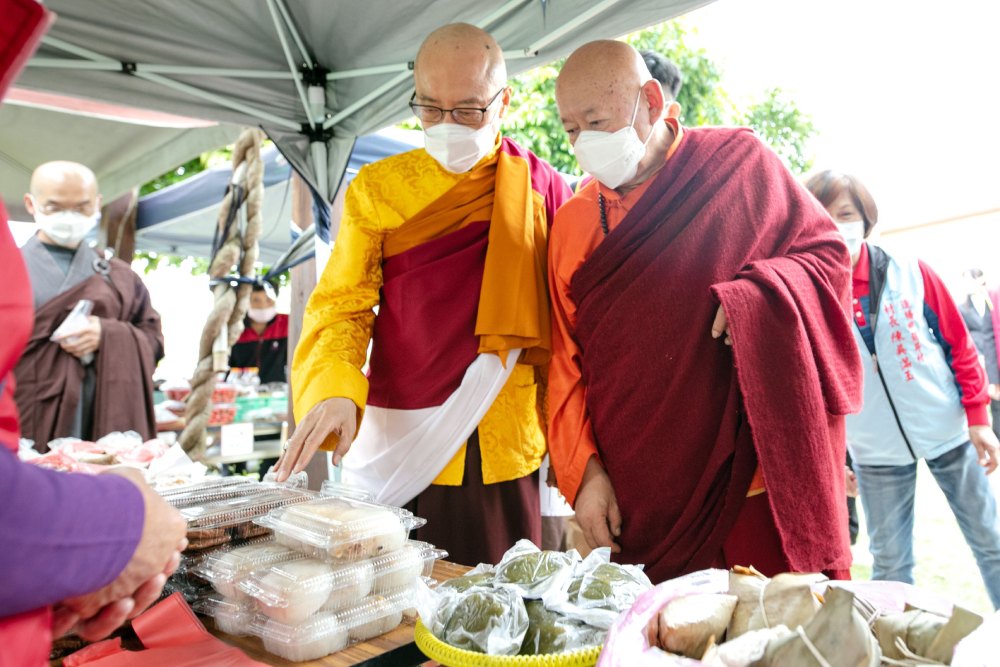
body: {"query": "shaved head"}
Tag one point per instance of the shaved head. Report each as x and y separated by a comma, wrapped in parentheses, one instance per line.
(460, 65)
(62, 186)
(61, 173)
(603, 68)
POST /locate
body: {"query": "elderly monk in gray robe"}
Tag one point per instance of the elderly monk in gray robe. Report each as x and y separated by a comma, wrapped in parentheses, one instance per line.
(97, 377)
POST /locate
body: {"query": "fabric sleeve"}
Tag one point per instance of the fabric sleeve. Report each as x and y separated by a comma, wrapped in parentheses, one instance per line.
(338, 321)
(64, 534)
(571, 439)
(950, 330)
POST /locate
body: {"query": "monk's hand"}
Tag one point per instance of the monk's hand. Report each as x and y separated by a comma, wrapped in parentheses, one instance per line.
(987, 447)
(338, 416)
(720, 327)
(597, 509)
(852, 482)
(85, 341)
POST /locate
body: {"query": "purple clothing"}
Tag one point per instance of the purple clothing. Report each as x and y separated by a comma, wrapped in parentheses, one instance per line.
(64, 534)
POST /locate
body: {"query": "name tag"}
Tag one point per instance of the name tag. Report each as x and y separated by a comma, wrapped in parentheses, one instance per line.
(237, 440)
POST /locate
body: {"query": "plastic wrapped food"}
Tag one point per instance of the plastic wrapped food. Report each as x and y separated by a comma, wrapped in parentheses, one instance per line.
(225, 568)
(317, 637)
(375, 616)
(209, 490)
(230, 616)
(218, 522)
(482, 576)
(688, 625)
(292, 591)
(551, 632)
(484, 620)
(598, 590)
(342, 529)
(533, 572)
(222, 414)
(400, 568)
(224, 392)
(924, 634)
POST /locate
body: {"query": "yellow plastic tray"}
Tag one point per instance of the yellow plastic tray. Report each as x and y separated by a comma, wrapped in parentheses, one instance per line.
(450, 656)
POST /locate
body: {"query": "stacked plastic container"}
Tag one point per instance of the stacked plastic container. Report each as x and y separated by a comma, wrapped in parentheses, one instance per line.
(221, 512)
(338, 570)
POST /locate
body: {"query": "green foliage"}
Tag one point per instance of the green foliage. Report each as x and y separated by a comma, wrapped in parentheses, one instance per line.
(188, 169)
(783, 127)
(150, 261)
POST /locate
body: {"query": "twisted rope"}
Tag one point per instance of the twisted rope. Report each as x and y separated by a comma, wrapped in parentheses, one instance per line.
(225, 323)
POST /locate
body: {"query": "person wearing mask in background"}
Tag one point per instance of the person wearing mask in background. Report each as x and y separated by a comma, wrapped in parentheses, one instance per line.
(702, 360)
(264, 342)
(981, 312)
(449, 242)
(925, 395)
(78, 553)
(98, 378)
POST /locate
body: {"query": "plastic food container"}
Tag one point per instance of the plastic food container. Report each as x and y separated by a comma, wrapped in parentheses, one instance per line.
(335, 489)
(224, 392)
(222, 414)
(208, 491)
(222, 521)
(231, 616)
(292, 591)
(177, 391)
(328, 632)
(227, 567)
(341, 529)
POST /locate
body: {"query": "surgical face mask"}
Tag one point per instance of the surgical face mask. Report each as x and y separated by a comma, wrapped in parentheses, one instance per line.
(612, 157)
(854, 235)
(458, 147)
(67, 228)
(262, 315)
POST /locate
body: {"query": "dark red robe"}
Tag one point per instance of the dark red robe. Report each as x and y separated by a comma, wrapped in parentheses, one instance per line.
(681, 420)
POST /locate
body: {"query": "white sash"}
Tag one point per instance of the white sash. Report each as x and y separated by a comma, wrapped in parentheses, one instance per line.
(398, 453)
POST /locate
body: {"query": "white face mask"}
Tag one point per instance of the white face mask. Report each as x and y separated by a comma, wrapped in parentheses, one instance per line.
(612, 157)
(262, 315)
(67, 228)
(854, 235)
(458, 147)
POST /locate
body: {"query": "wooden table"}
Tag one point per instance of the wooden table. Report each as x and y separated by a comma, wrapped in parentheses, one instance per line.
(394, 649)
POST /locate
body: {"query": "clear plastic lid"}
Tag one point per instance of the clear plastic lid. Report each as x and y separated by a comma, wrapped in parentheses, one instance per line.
(258, 501)
(227, 566)
(327, 632)
(208, 491)
(341, 529)
(292, 590)
(312, 639)
(233, 617)
(337, 489)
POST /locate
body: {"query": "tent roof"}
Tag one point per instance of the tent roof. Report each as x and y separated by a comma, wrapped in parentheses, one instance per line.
(124, 146)
(314, 74)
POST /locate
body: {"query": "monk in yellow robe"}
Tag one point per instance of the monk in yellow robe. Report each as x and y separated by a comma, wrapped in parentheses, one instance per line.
(449, 242)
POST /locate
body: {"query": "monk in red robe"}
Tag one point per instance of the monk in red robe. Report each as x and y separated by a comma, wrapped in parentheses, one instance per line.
(89, 380)
(702, 361)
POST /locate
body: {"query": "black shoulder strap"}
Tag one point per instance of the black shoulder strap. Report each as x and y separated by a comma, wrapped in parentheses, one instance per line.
(878, 264)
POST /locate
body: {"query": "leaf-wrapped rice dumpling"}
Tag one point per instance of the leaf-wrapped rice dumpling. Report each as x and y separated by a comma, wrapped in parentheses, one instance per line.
(688, 625)
(837, 636)
(787, 599)
(924, 634)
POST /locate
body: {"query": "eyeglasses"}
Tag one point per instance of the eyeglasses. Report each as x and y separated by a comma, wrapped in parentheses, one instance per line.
(461, 115)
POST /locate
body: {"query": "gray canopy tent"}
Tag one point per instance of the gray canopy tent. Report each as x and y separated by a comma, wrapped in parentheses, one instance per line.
(314, 74)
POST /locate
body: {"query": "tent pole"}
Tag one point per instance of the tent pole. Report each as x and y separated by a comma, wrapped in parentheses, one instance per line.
(66, 63)
(362, 102)
(295, 34)
(176, 85)
(319, 151)
(271, 5)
